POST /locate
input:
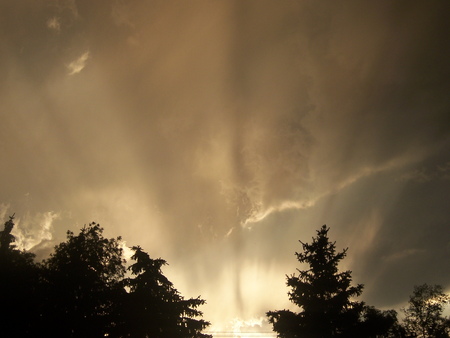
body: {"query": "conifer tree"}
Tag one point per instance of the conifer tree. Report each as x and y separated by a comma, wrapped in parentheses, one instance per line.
(323, 294)
(154, 308)
(18, 285)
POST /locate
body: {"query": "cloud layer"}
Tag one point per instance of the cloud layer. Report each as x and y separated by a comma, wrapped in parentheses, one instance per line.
(217, 134)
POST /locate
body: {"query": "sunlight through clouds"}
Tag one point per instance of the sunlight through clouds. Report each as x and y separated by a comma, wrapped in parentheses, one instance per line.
(78, 65)
(31, 231)
(217, 134)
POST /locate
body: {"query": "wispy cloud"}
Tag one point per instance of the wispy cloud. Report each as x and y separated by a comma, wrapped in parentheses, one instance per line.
(444, 171)
(305, 203)
(416, 175)
(127, 251)
(71, 6)
(404, 254)
(279, 119)
(284, 205)
(54, 24)
(78, 65)
(31, 231)
(423, 175)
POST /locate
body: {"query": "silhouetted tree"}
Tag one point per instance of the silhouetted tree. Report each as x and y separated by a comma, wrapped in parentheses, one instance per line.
(80, 291)
(18, 285)
(82, 285)
(376, 323)
(8, 251)
(88, 296)
(423, 316)
(153, 307)
(6, 238)
(325, 297)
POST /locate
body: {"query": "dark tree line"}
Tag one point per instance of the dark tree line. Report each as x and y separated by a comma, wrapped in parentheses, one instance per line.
(86, 289)
(83, 290)
(328, 307)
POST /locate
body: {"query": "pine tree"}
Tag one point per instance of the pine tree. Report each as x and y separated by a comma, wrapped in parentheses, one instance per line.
(6, 238)
(18, 284)
(324, 295)
(154, 308)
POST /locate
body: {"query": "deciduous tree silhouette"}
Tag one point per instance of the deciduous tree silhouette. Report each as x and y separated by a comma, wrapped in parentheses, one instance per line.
(325, 297)
(376, 323)
(423, 316)
(85, 294)
(82, 280)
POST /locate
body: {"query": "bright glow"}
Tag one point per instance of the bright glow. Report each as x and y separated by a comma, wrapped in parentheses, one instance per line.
(127, 251)
(78, 65)
(32, 231)
(216, 134)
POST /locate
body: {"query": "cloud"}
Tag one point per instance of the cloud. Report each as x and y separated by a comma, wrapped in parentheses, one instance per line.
(444, 171)
(332, 188)
(68, 5)
(404, 254)
(218, 134)
(423, 175)
(416, 175)
(121, 14)
(78, 65)
(4, 207)
(127, 251)
(31, 231)
(54, 23)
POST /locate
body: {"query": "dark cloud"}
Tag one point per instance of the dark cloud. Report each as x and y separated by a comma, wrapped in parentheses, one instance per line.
(217, 134)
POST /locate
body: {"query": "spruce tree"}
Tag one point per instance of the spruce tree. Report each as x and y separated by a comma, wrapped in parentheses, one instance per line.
(18, 286)
(323, 294)
(153, 307)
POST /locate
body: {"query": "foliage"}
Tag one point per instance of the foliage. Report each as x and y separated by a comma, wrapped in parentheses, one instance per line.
(423, 316)
(325, 298)
(81, 291)
(19, 277)
(378, 323)
(6, 238)
(82, 282)
(9, 255)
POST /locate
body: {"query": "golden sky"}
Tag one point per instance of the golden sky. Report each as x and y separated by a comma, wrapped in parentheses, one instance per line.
(216, 134)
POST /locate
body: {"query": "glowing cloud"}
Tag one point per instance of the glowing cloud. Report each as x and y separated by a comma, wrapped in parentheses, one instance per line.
(205, 121)
(78, 65)
(127, 251)
(30, 232)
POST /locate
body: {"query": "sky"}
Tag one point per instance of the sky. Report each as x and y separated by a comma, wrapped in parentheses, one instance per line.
(217, 134)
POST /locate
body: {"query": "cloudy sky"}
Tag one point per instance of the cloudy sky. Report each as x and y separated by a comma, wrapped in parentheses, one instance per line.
(216, 134)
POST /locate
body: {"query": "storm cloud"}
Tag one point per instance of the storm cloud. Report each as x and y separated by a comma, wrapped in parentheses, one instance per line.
(215, 134)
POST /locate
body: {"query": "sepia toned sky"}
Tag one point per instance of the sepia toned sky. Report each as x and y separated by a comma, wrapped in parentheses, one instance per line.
(216, 134)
